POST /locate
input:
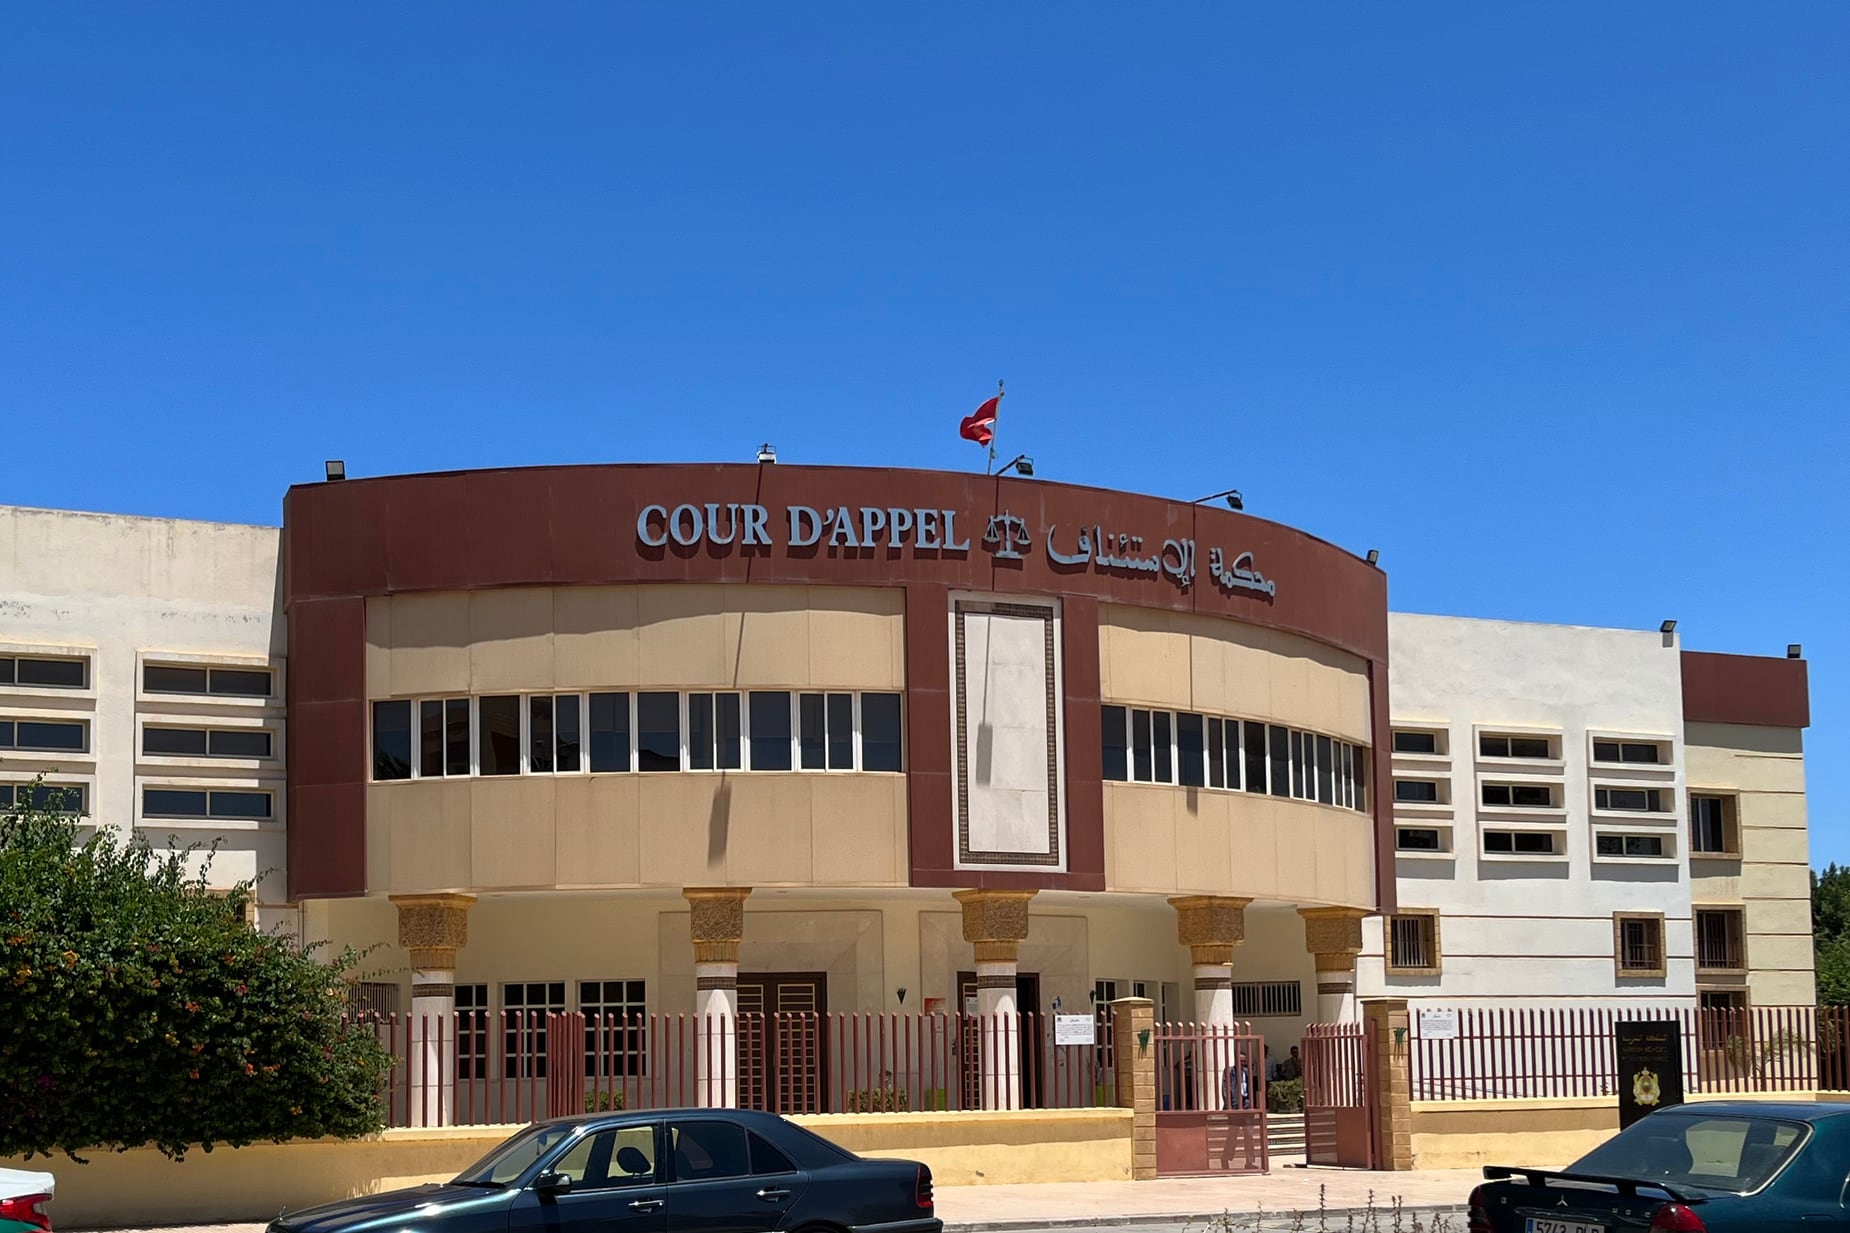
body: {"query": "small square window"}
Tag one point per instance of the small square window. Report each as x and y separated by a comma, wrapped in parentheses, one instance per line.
(1413, 943)
(1638, 943)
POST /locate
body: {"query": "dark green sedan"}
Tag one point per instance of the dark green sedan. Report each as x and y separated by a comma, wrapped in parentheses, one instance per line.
(1722, 1166)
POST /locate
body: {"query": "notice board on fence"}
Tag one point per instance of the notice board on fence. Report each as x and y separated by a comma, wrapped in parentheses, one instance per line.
(1650, 1067)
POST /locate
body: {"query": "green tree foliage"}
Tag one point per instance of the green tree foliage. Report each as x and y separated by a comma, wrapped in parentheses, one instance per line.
(143, 1011)
(1830, 923)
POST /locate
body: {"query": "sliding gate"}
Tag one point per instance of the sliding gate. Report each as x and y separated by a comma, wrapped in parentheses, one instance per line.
(1338, 1090)
(1210, 1112)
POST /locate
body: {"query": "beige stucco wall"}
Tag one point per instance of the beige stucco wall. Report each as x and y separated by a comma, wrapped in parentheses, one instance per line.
(566, 831)
(1764, 768)
(1149, 657)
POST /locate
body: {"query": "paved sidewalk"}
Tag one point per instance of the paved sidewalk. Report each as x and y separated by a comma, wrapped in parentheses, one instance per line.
(1172, 1202)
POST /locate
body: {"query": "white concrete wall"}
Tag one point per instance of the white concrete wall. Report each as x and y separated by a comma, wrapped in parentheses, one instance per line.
(1516, 932)
(119, 589)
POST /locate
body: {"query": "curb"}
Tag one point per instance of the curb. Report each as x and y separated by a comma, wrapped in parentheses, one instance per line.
(1345, 1216)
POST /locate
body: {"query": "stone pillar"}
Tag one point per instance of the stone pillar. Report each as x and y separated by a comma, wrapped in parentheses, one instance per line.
(995, 923)
(716, 921)
(1134, 1052)
(1211, 926)
(432, 928)
(1389, 1037)
(1334, 938)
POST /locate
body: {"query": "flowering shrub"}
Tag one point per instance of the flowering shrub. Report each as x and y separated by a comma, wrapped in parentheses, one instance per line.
(142, 1010)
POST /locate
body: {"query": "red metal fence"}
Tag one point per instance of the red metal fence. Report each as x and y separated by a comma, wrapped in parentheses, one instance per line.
(521, 1065)
(1502, 1053)
(1211, 1099)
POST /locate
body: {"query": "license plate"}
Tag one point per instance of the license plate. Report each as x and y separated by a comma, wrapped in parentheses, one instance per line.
(1543, 1224)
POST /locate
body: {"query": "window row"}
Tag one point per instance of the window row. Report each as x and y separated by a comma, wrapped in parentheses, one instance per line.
(204, 680)
(1412, 943)
(1537, 843)
(647, 730)
(1539, 747)
(1207, 751)
(207, 742)
(1536, 796)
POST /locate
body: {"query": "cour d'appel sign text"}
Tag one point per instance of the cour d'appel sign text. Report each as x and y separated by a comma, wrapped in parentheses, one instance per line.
(1005, 536)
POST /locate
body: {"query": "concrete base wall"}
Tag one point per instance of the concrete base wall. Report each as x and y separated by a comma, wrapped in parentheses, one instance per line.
(140, 1188)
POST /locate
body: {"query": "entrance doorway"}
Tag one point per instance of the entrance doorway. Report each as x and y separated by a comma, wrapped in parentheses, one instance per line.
(783, 1050)
(1028, 1005)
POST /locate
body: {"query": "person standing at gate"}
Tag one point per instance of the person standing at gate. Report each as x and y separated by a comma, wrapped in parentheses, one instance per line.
(1292, 1067)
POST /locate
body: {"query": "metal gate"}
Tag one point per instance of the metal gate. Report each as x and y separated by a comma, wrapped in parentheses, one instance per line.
(1210, 1113)
(1338, 1093)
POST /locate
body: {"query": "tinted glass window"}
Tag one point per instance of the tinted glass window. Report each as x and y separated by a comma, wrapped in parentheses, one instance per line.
(880, 732)
(812, 732)
(247, 743)
(1281, 761)
(157, 679)
(241, 682)
(658, 732)
(1190, 750)
(173, 803)
(1217, 751)
(1113, 744)
(1418, 839)
(1710, 1153)
(1638, 753)
(54, 673)
(1254, 738)
(768, 1159)
(726, 721)
(1140, 746)
(841, 732)
(1416, 742)
(1606, 751)
(770, 731)
(707, 1151)
(610, 732)
(7, 671)
(174, 742)
(498, 748)
(1416, 791)
(700, 746)
(55, 798)
(240, 804)
(391, 740)
(1160, 746)
(539, 735)
(1326, 771)
(45, 734)
(1529, 747)
(565, 732)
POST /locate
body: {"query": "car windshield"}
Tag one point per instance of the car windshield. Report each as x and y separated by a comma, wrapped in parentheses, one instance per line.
(1731, 1153)
(514, 1157)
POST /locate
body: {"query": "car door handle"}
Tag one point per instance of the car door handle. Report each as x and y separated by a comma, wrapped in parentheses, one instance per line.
(771, 1195)
(646, 1205)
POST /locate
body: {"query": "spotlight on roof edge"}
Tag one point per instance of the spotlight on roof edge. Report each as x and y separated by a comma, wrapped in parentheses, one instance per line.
(1374, 556)
(1024, 466)
(336, 469)
(1668, 627)
(1231, 496)
(1794, 651)
(766, 453)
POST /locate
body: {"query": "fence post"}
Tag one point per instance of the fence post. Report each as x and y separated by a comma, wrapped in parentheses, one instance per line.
(1389, 1044)
(1133, 1027)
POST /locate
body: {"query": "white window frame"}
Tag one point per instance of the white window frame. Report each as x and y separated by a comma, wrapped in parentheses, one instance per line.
(273, 787)
(27, 694)
(1443, 830)
(1667, 838)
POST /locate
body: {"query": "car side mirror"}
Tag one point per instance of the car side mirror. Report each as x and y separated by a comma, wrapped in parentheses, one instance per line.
(552, 1183)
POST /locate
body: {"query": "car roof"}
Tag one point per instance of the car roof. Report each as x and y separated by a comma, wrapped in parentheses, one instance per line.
(1789, 1110)
(625, 1117)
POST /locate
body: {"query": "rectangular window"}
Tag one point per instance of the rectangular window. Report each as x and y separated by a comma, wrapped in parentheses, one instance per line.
(1416, 742)
(1639, 943)
(1190, 751)
(201, 803)
(1719, 946)
(524, 1008)
(443, 737)
(1712, 832)
(1142, 763)
(825, 732)
(66, 798)
(1346, 763)
(616, 1039)
(180, 742)
(1628, 845)
(1418, 839)
(1630, 800)
(552, 733)
(1281, 761)
(1260, 999)
(49, 735)
(658, 731)
(497, 749)
(1518, 796)
(1162, 747)
(1253, 749)
(1520, 843)
(880, 732)
(1416, 791)
(41, 672)
(472, 1031)
(1645, 753)
(1514, 746)
(714, 734)
(1217, 751)
(1114, 743)
(210, 681)
(1326, 771)
(239, 743)
(1413, 943)
(841, 732)
(770, 731)
(391, 740)
(610, 732)
(812, 734)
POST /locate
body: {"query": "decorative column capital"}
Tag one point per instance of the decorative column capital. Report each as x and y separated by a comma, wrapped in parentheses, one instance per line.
(1210, 926)
(433, 928)
(716, 921)
(1333, 936)
(995, 922)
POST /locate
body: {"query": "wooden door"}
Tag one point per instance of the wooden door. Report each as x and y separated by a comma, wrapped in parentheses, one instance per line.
(783, 1049)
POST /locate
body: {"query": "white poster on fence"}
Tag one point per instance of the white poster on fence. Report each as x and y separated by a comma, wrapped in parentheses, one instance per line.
(1438, 1025)
(1072, 1029)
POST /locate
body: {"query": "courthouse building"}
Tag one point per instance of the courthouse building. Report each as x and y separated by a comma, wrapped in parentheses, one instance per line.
(679, 738)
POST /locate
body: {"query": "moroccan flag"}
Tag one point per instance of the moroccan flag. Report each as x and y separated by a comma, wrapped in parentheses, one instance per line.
(980, 425)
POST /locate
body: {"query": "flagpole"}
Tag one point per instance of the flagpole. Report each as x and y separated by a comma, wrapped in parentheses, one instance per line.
(991, 464)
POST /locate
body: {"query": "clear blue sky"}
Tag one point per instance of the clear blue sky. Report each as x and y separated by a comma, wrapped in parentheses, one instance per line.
(1550, 303)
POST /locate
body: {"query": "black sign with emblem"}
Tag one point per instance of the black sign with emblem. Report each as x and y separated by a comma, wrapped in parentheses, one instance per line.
(1650, 1067)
